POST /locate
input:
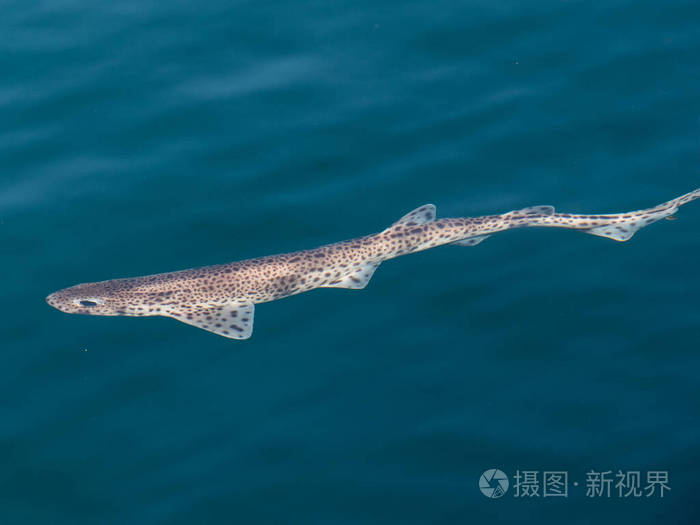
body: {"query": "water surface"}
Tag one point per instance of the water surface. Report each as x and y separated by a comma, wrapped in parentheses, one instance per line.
(145, 137)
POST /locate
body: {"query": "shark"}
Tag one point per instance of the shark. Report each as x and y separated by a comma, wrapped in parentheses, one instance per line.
(221, 298)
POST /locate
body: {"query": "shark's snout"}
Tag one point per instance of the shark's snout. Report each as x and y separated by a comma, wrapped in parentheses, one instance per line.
(51, 300)
(88, 299)
(58, 301)
(67, 300)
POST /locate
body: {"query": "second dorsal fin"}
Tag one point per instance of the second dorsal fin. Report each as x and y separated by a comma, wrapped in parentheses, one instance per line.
(534, 210)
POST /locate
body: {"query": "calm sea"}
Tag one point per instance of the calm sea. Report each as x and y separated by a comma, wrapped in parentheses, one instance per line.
(144, 137)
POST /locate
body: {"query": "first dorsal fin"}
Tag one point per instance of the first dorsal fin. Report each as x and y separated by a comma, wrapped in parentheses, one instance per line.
(425, 213)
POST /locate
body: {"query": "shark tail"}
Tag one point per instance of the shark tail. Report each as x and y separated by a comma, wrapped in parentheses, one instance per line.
(623, 226)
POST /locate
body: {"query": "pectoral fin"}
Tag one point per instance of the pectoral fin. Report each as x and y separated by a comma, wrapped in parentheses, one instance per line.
(233, 320)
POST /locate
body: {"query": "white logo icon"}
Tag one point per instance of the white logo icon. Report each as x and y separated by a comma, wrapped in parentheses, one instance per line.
(493, 483)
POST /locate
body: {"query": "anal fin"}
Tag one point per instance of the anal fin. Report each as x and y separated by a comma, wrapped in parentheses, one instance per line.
(471, 241)
(615, 232)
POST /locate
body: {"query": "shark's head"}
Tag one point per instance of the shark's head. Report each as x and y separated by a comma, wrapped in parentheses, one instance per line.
(101, 298)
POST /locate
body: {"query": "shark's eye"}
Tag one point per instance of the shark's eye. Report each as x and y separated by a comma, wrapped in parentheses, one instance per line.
(88, 303)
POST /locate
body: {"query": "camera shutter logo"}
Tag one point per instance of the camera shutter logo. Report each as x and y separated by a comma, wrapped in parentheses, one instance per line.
(493, 483)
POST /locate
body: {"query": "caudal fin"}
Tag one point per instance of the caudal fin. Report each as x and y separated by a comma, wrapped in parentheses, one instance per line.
(623, 226)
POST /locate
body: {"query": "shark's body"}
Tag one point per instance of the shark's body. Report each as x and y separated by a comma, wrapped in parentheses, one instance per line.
(221, 298)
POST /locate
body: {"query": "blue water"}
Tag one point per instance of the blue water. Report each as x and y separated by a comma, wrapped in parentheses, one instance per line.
(143, 137)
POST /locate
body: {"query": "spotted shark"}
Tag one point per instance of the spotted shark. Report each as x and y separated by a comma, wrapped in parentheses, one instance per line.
(221, 298)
